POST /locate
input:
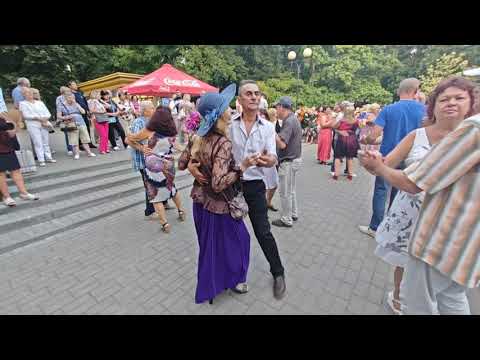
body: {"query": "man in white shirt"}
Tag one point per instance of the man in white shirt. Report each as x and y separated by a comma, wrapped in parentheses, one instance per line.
(263, 103)
(250, 135)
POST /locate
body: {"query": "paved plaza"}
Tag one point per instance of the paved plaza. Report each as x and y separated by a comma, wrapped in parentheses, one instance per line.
(124, 264)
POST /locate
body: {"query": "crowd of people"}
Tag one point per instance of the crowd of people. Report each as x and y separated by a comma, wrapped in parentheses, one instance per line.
(425, 155)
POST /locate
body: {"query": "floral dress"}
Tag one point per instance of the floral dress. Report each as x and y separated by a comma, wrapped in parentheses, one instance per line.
(160, 169)
(393, 234)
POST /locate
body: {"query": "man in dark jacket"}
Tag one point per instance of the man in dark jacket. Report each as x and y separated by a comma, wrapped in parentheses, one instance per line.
(82, 101)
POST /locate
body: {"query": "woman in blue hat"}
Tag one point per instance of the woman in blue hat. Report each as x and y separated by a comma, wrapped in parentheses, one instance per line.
(224, 241)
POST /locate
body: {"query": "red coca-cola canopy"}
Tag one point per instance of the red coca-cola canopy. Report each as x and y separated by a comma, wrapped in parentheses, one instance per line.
(166, 81)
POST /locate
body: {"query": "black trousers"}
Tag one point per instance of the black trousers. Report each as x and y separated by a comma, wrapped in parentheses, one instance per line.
(334, 143)
(254, 193)
(149, 209)
(111, 133)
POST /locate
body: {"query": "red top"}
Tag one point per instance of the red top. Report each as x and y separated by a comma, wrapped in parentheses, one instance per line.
(348, 127)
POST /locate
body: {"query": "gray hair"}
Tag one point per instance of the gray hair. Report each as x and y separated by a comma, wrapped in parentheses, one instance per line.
(243, 83)
(144, 105)
(408, 86)
(64, 90)
(94, 94)
(35, 92)
(23, 81)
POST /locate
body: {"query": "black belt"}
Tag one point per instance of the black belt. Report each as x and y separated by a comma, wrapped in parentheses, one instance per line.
(251, 181)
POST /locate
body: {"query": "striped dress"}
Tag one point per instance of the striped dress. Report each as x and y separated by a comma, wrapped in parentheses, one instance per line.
(447, 232)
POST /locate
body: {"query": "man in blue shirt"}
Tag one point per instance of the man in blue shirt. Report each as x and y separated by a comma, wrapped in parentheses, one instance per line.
(138, 152)
(396, 120)
(17, 92)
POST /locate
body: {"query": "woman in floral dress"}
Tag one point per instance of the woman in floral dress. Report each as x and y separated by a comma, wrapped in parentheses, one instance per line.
(451, 101)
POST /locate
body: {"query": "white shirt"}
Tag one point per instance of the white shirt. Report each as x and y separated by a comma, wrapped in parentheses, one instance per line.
(36, 109)
(263, 104)
(262, 137)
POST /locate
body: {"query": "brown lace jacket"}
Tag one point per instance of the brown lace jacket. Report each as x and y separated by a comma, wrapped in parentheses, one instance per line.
(217, 164)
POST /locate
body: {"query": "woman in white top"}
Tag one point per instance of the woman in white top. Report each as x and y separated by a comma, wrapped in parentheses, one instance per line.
(448, 104)
(271, 174)
(127, 111)
(100, 120)
(36, 116)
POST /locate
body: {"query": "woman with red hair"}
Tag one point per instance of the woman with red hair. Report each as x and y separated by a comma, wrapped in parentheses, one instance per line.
(160, 167)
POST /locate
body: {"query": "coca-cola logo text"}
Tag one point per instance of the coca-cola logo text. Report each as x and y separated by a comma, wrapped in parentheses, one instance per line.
(191, 83)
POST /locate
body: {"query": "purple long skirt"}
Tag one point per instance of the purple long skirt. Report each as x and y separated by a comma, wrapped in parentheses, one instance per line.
(224, 252)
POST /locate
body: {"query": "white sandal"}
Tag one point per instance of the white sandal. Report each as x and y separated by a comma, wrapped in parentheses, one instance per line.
(391, 301)
(9, 202)
(241, 288)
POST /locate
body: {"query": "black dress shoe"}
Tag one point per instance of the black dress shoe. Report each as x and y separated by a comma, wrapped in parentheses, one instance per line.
(271, 207)
(280, 223)
(279, 287)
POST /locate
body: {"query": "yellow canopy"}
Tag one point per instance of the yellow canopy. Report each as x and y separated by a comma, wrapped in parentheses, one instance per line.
(108, 82)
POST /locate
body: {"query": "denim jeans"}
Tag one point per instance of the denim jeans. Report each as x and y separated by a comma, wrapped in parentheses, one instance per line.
(69, 147)
(380, 194)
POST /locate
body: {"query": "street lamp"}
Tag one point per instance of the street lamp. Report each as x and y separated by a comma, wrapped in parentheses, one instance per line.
(413, 52)
(292, 55)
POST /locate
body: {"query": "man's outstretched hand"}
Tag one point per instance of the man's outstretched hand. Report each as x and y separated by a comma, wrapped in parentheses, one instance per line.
(196, 173)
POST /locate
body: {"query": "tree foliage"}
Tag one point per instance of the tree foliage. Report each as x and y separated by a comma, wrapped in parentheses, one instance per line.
(333, 73)
(446, 65)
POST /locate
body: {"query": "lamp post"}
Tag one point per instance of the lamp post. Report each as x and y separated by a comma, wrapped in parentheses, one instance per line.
(413, 52)
(292, 55)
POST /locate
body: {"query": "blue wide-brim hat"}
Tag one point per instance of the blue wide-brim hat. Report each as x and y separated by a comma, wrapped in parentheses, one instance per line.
(212, 105)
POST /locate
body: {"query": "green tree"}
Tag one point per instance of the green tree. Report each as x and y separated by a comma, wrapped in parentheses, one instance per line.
(44, 65)
(212, 64)
(446, 65)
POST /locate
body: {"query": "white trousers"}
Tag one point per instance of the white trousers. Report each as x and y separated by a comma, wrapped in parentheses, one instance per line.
(39, 136)
(428, 292)
(287, 173)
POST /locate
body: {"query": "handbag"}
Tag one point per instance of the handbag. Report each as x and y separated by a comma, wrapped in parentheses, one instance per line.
(67, 125)
(101, 117)
(237, 205)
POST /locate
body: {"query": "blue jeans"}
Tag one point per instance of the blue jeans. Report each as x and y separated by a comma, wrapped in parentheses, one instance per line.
(380, 194)
(69, 147)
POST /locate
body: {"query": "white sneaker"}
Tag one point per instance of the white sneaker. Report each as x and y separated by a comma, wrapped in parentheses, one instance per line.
(28, 196)
(51, 161)
(9, 202)
(116, 148)
(77, 156)
(91, 155)
(367, 230)
(70, 153)
(42, 164)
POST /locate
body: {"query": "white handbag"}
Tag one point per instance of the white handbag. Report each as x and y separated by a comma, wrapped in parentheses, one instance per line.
(26, 161)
